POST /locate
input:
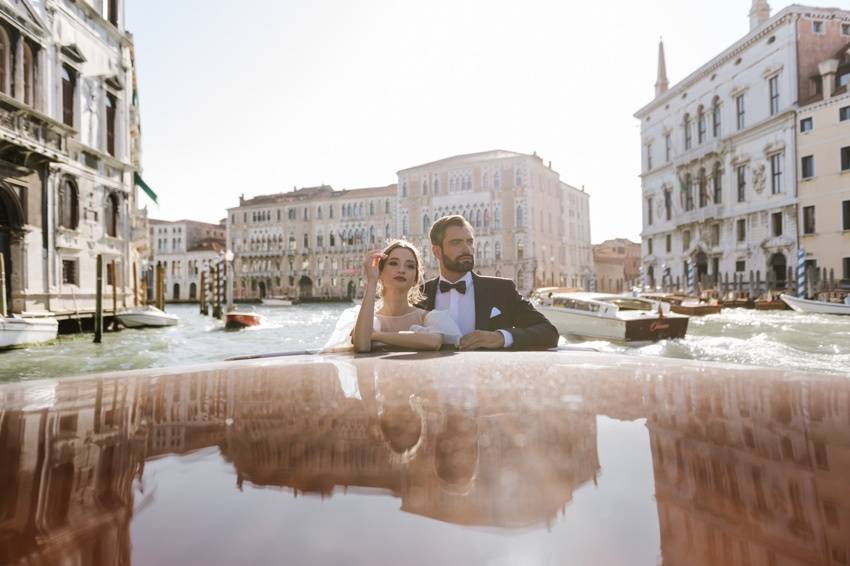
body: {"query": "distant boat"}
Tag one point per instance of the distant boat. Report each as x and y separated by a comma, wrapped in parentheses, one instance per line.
(690, 306)
(17, 331)
(147, 315)
(613, 317)
(237, 319)
(276, 302)
(816, 307)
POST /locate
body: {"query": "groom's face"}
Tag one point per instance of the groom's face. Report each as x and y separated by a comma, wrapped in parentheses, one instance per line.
(457, 252)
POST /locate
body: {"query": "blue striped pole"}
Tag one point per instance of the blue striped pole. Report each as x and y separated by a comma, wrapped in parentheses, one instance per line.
(691, 288)
(642, 277)
(801, 273)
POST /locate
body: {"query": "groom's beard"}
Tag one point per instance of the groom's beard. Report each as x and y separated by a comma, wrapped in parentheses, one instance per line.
(462, 264)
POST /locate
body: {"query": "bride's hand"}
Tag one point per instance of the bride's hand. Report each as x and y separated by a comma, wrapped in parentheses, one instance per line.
(370, 265)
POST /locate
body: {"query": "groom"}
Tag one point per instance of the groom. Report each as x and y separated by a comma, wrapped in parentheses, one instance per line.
(489, 311)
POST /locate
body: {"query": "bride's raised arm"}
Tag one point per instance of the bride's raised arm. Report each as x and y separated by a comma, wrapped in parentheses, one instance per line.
(363, 328)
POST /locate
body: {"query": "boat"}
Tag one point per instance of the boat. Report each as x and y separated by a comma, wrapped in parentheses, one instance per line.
(148, 315)
(18, 331)
(682, 304)
(461, 456)
(277, 302)
(816, 307)
(614, 317)
(241, 318)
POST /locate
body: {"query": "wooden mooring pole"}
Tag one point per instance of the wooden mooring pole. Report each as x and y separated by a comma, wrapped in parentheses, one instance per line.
(114, 296)
(98, 304)
(216, 293)
(204, 293)
(158, 297)
(3, 305)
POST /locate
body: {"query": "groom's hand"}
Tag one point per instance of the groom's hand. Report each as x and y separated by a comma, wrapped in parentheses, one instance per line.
(482, 340)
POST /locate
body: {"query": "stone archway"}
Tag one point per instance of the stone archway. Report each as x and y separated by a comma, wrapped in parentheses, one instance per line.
(193, 291)
(176, 292)
(701, 266)
(351, 289)
(305, 287)
(778, 265)
(262, 288)
(11, 228)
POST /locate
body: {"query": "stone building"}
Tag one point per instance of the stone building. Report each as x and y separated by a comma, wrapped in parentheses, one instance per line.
(185, 248)
(69, 140)
(719, 162)
(616, 265)
(823, 143)
(529, 225)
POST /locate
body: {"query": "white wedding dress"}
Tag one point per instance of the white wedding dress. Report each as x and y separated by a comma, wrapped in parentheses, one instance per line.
(439, 322)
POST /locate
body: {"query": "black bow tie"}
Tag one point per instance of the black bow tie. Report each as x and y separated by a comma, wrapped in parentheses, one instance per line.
(460, 286)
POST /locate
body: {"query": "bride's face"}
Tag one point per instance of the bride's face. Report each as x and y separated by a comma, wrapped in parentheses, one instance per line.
(399, 271)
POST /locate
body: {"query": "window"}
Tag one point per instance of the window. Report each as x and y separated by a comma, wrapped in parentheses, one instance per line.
(701, 126)
(703, 189)
(403, 188)
(845, 206)
(846, 268)
(715, 235)
(689, 192)
(808, 220)
(773, 88)
(668, 243)
(806, 125)
(776, 223)
(741, 229)
(69, 272)
(306, 241)
(668, 204)
(649, 211)
(649, 157)
(69, 215)
(69, 86)
(843, 113)
(718, 184)
(111, 104)
(845, 29)
(112, 12)
(807, 167)
(742, 182)
(112, 212)
(715, 118)
(29, 75)
(667, 147)
(776, 173)
(845, 158)
(687, 129)
(649, 246)
(387, 203)
(817, 27)
(5, 61)
(686, 240)
(740, 111)
(740, 266)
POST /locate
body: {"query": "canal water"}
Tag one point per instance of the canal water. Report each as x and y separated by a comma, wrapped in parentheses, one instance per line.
(774, 339)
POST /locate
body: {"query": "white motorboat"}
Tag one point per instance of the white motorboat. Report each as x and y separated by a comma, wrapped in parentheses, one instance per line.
(241, 318)
(17, 331)
(816, 307)
(277, 302)
(614, 317)
(147, 315)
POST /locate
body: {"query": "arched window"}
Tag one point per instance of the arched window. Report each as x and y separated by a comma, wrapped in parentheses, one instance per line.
(700, 125)
(404, 226)
(497, 180)
(332, 239)
(371, 234)
(424, 186)
(485, 180)
(371, 208)
(68, 205)
(5, 61)
(426, 224)
(436, 184)
(715, 117)
(486, 218)
(112, 212)
(29, 76)
(520, 217)
(478, 218)
(718, 183)
(387, 231)
(497, 249)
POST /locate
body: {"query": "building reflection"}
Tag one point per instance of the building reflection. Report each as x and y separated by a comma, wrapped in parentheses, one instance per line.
(747, 471)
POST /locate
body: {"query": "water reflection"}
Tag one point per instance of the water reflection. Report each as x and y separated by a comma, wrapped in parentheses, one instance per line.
(749, 468)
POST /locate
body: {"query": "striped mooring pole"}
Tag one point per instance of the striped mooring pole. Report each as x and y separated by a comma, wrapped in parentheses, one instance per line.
(801, 273)
(691, 288)
(642, 277)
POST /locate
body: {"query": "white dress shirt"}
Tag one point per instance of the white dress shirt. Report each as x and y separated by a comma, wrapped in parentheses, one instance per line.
(461, 307)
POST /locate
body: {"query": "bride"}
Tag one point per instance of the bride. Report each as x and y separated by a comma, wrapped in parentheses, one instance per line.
(394, 274)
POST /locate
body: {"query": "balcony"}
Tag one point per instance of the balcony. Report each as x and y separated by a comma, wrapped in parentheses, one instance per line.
(32, 130)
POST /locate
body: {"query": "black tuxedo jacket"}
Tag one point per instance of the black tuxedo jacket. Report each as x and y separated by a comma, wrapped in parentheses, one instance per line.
(530, 329)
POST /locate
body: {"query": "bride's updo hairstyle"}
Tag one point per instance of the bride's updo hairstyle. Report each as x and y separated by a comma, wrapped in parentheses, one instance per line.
(414, 295)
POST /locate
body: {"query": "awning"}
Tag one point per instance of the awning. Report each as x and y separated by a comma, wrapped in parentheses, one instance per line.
(144, 186)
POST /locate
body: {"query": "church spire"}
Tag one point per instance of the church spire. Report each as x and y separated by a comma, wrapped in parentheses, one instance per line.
(759, 13)
(661, 84)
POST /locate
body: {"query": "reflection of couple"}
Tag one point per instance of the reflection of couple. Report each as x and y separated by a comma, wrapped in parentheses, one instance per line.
(458, 307)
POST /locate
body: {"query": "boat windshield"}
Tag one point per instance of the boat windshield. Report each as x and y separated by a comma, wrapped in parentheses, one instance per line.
(575, 304)
(629, 304)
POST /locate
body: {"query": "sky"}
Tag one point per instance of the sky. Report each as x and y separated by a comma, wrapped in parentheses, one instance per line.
(260, 96)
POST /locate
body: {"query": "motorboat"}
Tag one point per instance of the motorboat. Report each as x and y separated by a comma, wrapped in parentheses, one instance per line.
(816, 307)
(241, 318)
(681, 304)
(463, 454)
(18, 331)
(148, 315)
(277, 302)
(614, 317)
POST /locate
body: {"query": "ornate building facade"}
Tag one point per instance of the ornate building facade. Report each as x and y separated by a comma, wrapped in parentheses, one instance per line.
(185, 248)
(69, 152)
(616, 265)
(530, 226)
(719, 161)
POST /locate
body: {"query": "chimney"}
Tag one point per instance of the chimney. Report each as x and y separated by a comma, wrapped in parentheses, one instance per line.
(759, 13)
(661, 83)
(550, 165)
(827, 71)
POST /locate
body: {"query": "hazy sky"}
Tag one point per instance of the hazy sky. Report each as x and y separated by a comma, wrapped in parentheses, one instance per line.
(258, 96)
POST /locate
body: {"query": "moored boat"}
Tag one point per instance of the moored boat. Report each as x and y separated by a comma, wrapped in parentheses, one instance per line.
(614, 317)
(148, 315)
(816, 307)
(277, 302)
(680, 304)
(17, 331)
(237, 319)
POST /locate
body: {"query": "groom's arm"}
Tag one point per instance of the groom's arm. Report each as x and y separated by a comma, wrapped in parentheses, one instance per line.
(531, 329)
